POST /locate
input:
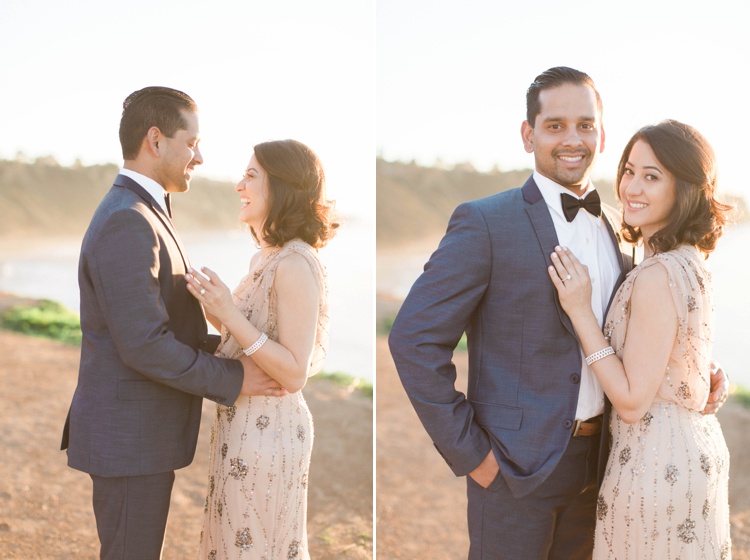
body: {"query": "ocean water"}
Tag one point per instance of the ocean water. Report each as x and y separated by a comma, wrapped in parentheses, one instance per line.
(49, 270)
(730, 269)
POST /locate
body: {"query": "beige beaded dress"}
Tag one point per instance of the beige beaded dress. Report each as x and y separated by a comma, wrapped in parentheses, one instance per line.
(260, 448)
(664, 494)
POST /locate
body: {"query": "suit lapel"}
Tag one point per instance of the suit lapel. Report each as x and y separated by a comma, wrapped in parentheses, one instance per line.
(128, 183)
(545, 232)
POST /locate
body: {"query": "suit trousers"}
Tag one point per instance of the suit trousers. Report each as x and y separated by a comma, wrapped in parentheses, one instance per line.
(131, 515)
(555, 522)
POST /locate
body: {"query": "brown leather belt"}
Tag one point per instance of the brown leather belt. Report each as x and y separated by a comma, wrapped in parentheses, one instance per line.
(589, 427)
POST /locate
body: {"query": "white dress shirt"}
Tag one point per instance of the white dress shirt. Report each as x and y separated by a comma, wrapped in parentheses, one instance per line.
(587, 237)
(152, 187)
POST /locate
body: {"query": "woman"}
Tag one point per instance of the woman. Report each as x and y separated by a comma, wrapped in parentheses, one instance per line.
(260, 447)
(664, 493)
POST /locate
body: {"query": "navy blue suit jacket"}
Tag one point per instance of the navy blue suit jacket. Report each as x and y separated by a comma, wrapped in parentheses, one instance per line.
(488, 278)
(146, 360)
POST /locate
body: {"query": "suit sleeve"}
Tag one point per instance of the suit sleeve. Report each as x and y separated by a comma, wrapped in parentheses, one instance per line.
(427, 329)
(124, 268)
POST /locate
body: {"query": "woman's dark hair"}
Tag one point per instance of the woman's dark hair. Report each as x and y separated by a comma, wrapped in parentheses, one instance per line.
(298, 208)
(552, 78)
(152, 106)
(696, 218)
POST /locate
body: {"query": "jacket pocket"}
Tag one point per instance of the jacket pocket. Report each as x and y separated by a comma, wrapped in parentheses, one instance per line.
(497, 416)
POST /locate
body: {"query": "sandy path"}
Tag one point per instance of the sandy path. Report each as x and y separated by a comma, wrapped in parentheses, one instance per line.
(45, 510)
(421, 505)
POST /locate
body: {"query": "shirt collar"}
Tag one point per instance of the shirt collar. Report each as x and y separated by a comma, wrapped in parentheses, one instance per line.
(551, 192)
(153, 188)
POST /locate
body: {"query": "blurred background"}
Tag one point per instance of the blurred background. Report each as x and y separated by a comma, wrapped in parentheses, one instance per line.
(451, 87)
(451, 100)
(258, 71)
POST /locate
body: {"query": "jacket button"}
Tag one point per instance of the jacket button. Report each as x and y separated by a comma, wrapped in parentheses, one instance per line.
(575, 378)
(203, 345)
(568, 424)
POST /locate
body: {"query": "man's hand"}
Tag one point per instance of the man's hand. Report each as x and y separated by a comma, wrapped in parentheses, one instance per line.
(719, 389)
(487, 470)
(257, 383)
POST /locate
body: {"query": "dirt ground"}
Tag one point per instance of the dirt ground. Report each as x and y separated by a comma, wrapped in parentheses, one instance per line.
(421, 505)
(45, 507)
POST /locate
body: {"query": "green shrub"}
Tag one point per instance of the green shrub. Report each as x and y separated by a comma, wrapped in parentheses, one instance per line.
(47, 319)
(386, 325)
(349, 381)
(741, 395)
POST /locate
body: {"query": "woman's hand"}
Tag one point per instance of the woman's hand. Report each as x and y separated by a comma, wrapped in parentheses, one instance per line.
(213, 294)
(719, 389)
(573, 283)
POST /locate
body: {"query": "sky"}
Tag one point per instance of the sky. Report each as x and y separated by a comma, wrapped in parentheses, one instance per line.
(258, 70)
(452, 77)
(404, 79)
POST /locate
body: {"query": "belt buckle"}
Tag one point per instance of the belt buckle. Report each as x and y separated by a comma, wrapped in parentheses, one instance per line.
(576, 427)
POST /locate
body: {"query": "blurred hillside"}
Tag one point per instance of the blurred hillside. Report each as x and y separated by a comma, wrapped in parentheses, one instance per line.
(42, 199)
(415, 203)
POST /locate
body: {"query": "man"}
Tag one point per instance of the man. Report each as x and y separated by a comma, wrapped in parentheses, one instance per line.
(529, 431)
(146, 361)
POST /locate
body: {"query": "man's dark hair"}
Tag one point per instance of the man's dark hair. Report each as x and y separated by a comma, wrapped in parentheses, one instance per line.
(552, 78)
(152, 106)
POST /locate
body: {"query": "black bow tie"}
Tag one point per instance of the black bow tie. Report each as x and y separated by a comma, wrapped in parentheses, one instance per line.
(168, 203)
(592, 204)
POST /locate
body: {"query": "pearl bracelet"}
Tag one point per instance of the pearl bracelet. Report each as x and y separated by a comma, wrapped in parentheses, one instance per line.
(603, 353)
(256, 345)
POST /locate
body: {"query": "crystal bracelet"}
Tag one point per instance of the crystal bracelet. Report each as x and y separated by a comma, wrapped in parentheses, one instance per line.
(603, 353)
(256, 345)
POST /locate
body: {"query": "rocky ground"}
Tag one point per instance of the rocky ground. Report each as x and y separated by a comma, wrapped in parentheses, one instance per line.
(45, 507)
(421, 505)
